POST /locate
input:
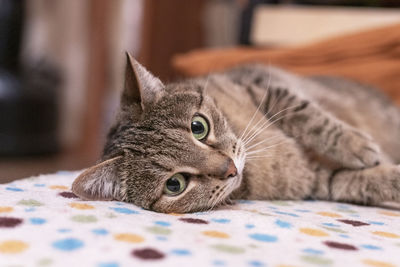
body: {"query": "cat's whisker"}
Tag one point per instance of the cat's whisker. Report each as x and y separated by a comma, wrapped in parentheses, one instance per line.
(216, 198)
(268, 123)
(245, 132)
(258, 108)
(255, 159)
(206, 83)
(255, 128)
(263, 141)
(267, 148)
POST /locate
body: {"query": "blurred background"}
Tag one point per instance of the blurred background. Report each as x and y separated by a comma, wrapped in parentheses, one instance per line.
(62, 61)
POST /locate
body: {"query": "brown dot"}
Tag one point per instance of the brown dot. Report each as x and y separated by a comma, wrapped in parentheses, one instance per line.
(193, 220)
(67, 194)
(333, 244)
(354, 223)
(147, 254)
(217, 187)
(213, 191)
(9, 221)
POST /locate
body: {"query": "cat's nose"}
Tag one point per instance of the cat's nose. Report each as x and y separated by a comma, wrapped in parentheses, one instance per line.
(231, 170)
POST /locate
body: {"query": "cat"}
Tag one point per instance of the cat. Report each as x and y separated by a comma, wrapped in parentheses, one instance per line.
(252, 132)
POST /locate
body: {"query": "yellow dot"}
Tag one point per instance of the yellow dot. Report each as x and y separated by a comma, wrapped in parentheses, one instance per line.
(81, 206)
(61, 187)
(386, 234)
(329, 214)
(175, 214)
(375, 263)
(12, 246)
(130, 238)
(313, 232)
(216, 234)
(6, 209)
(390, 213)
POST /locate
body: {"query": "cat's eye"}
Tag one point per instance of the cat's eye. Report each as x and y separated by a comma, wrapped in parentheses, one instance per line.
(199, 127)
(175, 185)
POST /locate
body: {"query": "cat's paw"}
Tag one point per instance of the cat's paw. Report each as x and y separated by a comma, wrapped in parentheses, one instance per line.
(357, 150)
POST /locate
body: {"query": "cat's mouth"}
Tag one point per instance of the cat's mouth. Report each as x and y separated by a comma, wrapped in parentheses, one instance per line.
(234, 181)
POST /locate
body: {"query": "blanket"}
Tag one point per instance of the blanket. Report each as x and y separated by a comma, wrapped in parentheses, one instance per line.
(42, 223)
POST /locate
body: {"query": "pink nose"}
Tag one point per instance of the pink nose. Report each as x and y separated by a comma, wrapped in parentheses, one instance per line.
(231, 170)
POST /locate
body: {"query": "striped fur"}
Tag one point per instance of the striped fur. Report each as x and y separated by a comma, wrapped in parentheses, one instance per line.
(289, 137)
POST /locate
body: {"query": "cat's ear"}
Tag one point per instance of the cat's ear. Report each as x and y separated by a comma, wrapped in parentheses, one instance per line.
(140, 85)
(99, 182)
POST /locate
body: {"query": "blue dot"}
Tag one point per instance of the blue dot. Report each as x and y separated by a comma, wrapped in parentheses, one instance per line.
(272, 208)
(376, 223)
(100, 231)
(354, 215)
(283, 224)
(119, 203)
(256, 263)
(313, 251)
(218, 263)
(162, 223)
(287, 213)
(108, 264)
(263, 237)
(249, 226)
(245, 201)
(344, 236)
(68, 244)
(221, 220)
(125, 210)
(29, 209)
(37, 221)
(181, 252)
(343, 206)
(299, 210)
(161, 238)
(64, 230)
(201, 213)
(14, 189)
(372, 247)
(39, 185)
(331, 225)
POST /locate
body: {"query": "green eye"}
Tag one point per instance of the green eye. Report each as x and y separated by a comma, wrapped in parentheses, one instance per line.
(175, 185)
(199, 127)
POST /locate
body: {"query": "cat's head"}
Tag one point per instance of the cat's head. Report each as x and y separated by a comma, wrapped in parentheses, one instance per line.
(170, 150)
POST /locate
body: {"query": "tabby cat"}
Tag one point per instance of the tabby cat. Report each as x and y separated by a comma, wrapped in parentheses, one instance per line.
(252, 132)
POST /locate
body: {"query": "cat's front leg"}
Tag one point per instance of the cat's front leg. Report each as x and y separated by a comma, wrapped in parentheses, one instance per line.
(318, 130)
(371, 186)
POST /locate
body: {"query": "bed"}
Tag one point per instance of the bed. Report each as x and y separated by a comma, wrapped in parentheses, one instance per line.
(42, 223)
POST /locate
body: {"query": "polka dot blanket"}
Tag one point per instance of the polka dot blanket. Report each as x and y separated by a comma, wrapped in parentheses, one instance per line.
(42, 223)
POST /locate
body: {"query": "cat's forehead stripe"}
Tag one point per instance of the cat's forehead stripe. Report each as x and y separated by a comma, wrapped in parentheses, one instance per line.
(200, 91)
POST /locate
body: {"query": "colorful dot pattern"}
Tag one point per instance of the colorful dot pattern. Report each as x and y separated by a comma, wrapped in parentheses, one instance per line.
(42, 223)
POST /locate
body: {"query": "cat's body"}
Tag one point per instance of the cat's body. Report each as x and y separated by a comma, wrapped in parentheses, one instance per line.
(292, 170)
(270, 135)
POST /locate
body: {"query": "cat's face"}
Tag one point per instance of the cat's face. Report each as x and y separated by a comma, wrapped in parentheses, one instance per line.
(171, 149)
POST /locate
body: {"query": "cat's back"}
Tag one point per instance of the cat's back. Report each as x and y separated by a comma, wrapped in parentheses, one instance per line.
(359, 105)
